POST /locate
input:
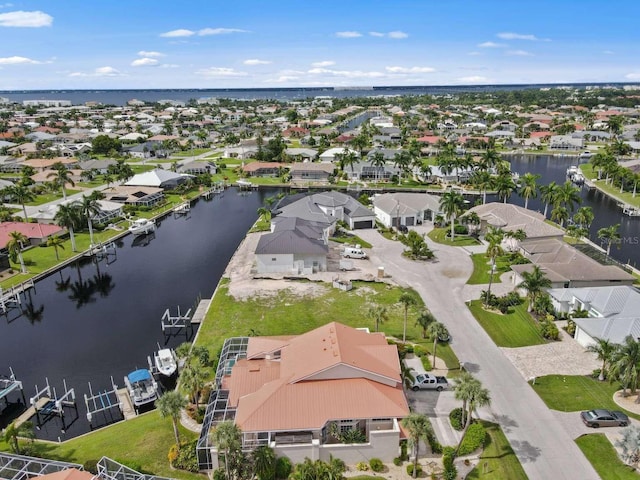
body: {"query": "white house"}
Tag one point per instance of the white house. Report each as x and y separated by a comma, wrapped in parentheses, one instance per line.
(393, 209)
(333, 154)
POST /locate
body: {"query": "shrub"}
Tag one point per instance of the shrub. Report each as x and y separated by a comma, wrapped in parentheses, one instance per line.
(91, 466)
(435, 445)
(403, 450)
(376, 464)
(362, 466)
(455, 418)
(595, 373)
(353, 435)
(426, 363)
(460, 229)
(283, 468)
(219, 474)
(187, 457)
(173, 454)
(410, 469)
(397, 461)
(473, 439)
(450, 471)
(571, 327)
(420, 351)
(549, 330)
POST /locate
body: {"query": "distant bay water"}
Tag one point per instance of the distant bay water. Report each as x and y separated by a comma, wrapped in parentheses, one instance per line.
(121, 97)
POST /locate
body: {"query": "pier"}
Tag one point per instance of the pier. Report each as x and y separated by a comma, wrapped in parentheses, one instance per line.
(102, 401)
(127, 409)
(12, 297)
(201, 311)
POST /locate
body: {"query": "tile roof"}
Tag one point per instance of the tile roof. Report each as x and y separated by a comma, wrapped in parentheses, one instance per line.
(29, 230)
(513, 217)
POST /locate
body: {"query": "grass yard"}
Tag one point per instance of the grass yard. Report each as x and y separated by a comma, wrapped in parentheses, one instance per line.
(439, 235)
(612, 190)
(289, 314)
(498, 456)
(49, 197)
(191, 153)
(143, 442)
(574, 393)
(482, 268)
(604, 458)
(353, 239)
(515, 329)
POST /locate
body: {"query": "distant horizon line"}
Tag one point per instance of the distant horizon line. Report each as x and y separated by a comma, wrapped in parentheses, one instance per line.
(327, 87)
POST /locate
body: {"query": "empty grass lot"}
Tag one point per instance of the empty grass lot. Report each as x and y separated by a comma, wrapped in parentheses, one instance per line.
(439, 235)
(604, 458)
(498, 456)
(515, 329)
(575, 393)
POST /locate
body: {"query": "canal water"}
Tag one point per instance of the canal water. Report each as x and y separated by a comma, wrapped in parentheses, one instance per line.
(94, 320)
(606, 210)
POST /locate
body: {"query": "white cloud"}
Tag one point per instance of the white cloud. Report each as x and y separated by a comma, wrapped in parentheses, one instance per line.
(324, 63)
(255, 61)
(99, 72)
(376, 34)
(144, 62)
(286, 78)
(517, 36)
(519, 53)
(25, 19)
(169, 65)
(410, 69)
(348, 34)
(491, 45)
(182, 32)
(632, 76)
(398, 35)
(345, 73)
(220, 31)
(144, 53)
(609, 52)
(220, 72)
(474, 79)
(17, 61)
(6, 5)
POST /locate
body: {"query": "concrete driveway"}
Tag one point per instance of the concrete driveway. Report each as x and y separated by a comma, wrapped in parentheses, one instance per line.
(543, 446)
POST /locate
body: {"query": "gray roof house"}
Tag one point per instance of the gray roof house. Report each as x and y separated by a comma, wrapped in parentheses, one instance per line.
(100, 165)
(308, 172)
(367, 171)
(510, 217)
(614, 312)
(393, 209)
(294, 246)
(329, 207)
(565, 142)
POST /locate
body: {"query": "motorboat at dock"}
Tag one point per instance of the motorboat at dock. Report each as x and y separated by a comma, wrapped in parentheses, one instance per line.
(142, 226)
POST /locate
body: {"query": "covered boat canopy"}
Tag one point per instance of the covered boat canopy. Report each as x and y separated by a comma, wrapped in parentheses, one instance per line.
(139, 376)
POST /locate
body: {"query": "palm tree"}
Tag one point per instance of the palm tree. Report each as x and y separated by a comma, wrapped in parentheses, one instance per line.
(625, 365)
(264, 213)
(402, 160)
(548, 195)
(170, 405)
(61, 177)
(377, 160)
(55, 242)
(21, 194)
(478, 397)
(378, 313)
(451, 204)
(528, 187)
(583, 217)
(609, 235)
(419, 428)
(463, 389)
(13, 432)
(490, 158)
(89, 207)
(604, 349)
(425, 319)
(349, 158)
(559, 214)
(437, 330)
(227, 437)
(193, 378)
(14, 247)
(494, 249)
(407, 300)
(482, 181)
(534, 282)
(568, 195)
(68, 216)
(504, 186)
(264, 462)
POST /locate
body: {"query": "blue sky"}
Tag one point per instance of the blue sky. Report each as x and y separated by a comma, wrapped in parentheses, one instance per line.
(88, 44)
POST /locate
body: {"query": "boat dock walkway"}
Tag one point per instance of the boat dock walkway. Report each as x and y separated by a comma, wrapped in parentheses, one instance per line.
(31, 411)
(127, 408)
(201, 311)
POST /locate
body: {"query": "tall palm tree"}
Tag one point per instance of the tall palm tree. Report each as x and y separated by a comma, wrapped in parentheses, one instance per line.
(407, 300)
(68, 216)
(482, 180)
(264, 462)
(14, 246)
(548, 195)
(402, 160)
(264, 213)
(504, 186)
(170, 405)
(425, 319)
(12, 433)
(625, 365)
(378, 313)
(193, 379)
(604, 349)
(437, 330)
(419, 428)
(227, 437)
(21, 194)
(568, 195)
(56, 242)
(463, 389)
(478, 397)
(534, 282)
(583, 217)
(451, 204)
(609, 235)
(494, 236)
(528, 187)
(377, 160)
(490, 158)
(61, 177)
(559, 214)
(89, 207)
(349, 158)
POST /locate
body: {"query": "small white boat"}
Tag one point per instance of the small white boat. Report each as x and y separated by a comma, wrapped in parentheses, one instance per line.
(244, 183)
(142, 226)
(142, 388)
(572, 170)
(586, 154)
(183, 208)
(631, 211)
(166, 362)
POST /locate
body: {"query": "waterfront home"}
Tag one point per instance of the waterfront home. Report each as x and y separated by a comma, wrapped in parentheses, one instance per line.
(197, 168)
(10, 164)
(301, 154)
(241, 153)
(566, 266)
(333, 155)
(366, 171)
(42, 164)
(328, 208)
(394, 209)
(107, 211)
(510, 218)
(294, 246)
(133, 195)
(565, 142)
(300, 394)
(613, 312)
(262, 169)
(159, 178)
(23, 149)
(307, 172)
(98, 166)
(144, 150)
(36, 233)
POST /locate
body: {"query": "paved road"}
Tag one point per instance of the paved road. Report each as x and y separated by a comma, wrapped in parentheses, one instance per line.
(544, 447)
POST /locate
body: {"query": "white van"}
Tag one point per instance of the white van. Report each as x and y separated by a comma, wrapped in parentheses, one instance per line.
(351, 252)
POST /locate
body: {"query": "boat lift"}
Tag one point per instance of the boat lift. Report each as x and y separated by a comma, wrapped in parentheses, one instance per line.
(176, 322)
(11, 298)
(102, 250)
(102, 401)
(8, 385)
(46, 401)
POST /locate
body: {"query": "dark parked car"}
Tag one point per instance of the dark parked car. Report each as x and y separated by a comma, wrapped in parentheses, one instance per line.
(403, 229)
(604, 418)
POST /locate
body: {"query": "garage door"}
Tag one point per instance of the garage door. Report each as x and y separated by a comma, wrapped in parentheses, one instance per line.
(408, 221)
(363, 224)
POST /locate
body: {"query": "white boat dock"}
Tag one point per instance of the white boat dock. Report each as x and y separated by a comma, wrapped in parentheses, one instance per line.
(126, 406)
(201, 311)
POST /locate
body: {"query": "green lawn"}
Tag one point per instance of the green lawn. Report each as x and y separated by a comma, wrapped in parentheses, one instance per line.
(439, 235)
(627, 197)
(576, 393)
(498, 456)
(604, 458)
(191, 153)
(289, 314)
(143, 441)
(482, 270)
(49, 197)
(354, 239)
(515, 329)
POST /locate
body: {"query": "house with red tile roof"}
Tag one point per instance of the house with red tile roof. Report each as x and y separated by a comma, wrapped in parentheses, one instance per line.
(37, 233)
(300, 394)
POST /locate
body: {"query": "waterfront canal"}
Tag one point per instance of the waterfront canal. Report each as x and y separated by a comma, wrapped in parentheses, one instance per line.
(93, 320)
